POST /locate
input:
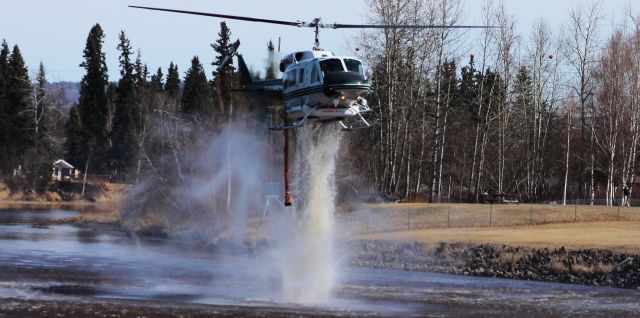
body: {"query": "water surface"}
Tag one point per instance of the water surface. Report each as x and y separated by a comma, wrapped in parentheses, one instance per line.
(58, 262)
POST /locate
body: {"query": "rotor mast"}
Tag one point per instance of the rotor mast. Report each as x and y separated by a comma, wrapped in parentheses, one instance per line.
(316, 24)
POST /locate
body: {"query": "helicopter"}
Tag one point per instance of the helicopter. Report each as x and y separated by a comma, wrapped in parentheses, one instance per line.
(317, 85)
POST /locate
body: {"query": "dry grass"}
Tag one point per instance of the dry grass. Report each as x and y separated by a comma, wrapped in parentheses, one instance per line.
(113, 195)
(582, 269)
(4, 191)
(559, 267)
(400, 217)
(619, 236)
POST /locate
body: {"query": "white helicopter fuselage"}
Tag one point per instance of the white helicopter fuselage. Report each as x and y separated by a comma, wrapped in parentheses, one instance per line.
(319, 85)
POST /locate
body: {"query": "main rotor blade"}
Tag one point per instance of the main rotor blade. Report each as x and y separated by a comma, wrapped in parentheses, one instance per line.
(405, 26)
(315, 22)
(224, 16)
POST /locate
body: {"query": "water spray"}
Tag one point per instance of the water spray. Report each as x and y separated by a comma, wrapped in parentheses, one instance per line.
(309, 268)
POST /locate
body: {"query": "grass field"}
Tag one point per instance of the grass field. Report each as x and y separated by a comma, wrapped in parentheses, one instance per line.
(617, 236)
(537, 225)
(398, 216)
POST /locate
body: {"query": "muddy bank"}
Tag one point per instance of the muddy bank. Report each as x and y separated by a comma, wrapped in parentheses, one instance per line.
(584, 266)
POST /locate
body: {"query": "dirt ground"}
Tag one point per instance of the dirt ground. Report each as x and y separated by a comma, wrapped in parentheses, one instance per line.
(616, 236)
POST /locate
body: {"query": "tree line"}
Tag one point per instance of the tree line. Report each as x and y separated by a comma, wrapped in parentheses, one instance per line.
(548, 115)
(122, 130)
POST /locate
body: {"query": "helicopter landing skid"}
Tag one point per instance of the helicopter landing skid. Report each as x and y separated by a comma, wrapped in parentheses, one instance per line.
(358, 123)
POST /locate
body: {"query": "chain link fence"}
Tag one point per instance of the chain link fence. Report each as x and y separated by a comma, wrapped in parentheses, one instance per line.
(399, 217)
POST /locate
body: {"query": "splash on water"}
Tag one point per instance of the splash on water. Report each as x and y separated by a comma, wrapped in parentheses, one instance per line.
(309, 268)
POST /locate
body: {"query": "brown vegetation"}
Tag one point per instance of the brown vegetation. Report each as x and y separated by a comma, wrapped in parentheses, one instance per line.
(581, 266)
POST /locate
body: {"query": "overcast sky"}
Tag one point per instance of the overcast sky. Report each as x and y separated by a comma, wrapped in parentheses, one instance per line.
(55, 32)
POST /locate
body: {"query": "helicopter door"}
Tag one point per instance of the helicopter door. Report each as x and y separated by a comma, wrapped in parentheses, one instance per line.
(315, 75)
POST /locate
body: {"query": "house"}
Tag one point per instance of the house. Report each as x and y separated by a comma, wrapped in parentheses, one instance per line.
(64, 171)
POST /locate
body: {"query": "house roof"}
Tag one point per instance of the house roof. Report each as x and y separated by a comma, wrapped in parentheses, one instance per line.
(63, 164)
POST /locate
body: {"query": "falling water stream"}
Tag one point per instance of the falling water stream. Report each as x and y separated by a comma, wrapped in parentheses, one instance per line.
(309, 272)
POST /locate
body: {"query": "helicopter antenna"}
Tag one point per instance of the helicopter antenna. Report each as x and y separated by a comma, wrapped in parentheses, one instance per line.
(315, 23)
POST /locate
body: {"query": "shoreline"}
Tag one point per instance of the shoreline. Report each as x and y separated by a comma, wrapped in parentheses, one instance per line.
(74, 203)
(595, 266)
(592, 267)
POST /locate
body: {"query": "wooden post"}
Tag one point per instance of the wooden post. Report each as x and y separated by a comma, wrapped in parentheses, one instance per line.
(491, 214)
(530, 213)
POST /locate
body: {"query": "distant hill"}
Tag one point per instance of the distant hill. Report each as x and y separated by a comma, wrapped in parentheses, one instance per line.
(71, 90)
(71, 94)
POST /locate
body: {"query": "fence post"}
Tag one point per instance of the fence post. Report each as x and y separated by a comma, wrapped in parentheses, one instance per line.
(530, 212)
(618, 217)
(575, 211)
(490, 214)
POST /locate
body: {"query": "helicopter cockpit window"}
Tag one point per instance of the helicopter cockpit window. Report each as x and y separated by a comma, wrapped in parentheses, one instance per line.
(301, 76)
(353, 66)
(331, 66)
(290, 79)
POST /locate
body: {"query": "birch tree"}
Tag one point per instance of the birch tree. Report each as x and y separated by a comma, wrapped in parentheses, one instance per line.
(580, 47)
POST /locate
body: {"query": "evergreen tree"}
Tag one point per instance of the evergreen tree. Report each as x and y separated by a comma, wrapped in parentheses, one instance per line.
(43, 152)
(172, 86)
(469, 88)
(271, 72)
(196, 101)
(4, 118)
(141, 71)
(223, 47)
(19, 104)
(74, 144)
(42, 123)
(123, 134)
(92, 105)
(156, 83)
(38, 126)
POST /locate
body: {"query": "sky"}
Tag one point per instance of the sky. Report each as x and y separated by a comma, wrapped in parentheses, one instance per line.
(54, 32)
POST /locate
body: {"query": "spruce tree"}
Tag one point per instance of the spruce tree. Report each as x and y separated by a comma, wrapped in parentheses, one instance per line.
(172, 86)
(19, 104)
(223, 74)
(156, 83)
(92, 105)
(196, 101)
(271, 72)
(4, 118)
(74, 143)
(43, 152)
(42, 124)
(223, 47)
(469, 88)
(123, 134)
